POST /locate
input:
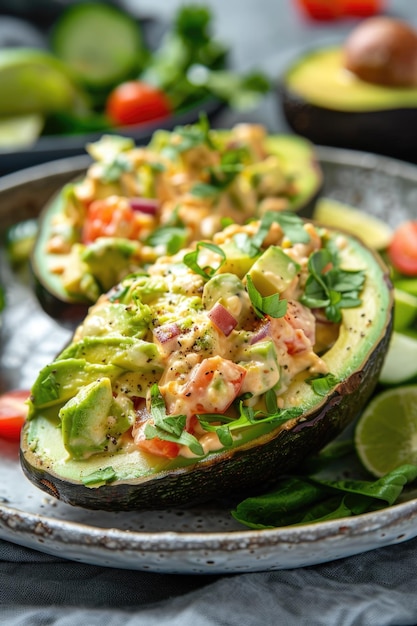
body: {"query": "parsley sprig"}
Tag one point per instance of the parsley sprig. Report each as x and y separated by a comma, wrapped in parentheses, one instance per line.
(265, 305)
(330, 287)
(191, 259)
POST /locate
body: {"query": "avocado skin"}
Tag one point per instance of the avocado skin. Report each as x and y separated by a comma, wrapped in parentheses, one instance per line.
(352, 130)
(251, 470)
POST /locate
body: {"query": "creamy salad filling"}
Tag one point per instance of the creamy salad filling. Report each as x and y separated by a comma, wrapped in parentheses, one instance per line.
(180, 359)
(136, 203)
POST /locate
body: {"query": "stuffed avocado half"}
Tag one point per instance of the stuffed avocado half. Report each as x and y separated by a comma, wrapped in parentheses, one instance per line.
(216, 370)
(136, 203)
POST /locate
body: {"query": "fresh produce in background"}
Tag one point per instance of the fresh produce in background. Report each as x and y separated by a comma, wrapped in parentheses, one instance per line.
(100, 72)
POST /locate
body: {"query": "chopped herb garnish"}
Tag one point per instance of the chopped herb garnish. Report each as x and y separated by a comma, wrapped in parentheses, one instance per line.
(169, 427)
(265, 305)
(330, 287)
(323, 383)
(191, 259)
(172, 238)
(248, 417)
(112, 170)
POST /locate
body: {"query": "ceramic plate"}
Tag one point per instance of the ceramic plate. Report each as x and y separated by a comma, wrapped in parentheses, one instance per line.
(206, 539)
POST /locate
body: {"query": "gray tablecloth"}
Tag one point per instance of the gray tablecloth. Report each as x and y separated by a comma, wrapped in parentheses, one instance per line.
(378, 587)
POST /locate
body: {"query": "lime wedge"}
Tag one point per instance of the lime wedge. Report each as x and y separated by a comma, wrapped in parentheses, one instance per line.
(374, 232)
(33, 81)
(20, 131)
(400, 363)
(405, 310)
(386, 432)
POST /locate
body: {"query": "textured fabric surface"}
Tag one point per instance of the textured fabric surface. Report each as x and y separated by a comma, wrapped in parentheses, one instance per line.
(376, 588)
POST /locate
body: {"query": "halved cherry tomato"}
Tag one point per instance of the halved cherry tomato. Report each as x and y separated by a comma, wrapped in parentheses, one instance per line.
(13, 413)
(135, 102)
(402, 250)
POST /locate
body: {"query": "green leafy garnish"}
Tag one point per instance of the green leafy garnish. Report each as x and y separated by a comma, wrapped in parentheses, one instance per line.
(330, 287)
(248, 417)
(291, 224)
(191, 259)
(265, 305)
(112, 170)
(302, 500)
(169, 427)
(323, 383)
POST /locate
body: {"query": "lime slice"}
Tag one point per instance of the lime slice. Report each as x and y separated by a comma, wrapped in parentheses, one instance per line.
(405, 310)
(33, 81)
(400, 363)
(386, 432)
(374, 232)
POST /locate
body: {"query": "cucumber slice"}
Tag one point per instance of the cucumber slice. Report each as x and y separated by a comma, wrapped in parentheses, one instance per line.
(100, 43)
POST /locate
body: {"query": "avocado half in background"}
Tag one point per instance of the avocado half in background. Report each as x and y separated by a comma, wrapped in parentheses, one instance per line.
(126, 478)
(361, 94)
(299, 165)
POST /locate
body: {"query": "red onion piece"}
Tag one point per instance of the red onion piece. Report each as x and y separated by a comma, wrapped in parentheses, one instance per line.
(149, 206)
(166, 332)
(221, 318)
(262, 332)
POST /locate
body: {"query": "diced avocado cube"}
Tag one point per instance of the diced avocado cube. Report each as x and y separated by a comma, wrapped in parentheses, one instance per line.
(93, 421)
(237, 260)
(273, 271)
(109, 259)
(59, 381)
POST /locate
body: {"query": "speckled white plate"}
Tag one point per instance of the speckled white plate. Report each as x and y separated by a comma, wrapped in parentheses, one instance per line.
(203, 540)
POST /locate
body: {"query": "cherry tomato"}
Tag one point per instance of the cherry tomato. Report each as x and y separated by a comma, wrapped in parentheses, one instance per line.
(334, 9)
(135, 102)
(13, 413)
(402, 250)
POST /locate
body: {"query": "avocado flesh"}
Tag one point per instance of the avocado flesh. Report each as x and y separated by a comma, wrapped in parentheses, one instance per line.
(127, 479)
(66, 303)
(328, 105)
(321, 79)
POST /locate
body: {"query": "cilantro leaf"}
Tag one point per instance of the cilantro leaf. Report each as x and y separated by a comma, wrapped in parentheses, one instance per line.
(191, 259)
(330, 287)
(265, 305)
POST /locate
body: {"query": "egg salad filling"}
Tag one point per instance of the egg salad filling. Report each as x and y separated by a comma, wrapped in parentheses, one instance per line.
(137, 203)
(180, 359)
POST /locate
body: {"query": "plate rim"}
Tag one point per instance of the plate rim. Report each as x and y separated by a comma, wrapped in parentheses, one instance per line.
(16, 525)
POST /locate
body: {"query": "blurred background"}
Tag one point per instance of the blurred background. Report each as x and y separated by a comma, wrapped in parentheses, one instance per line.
(256, 41)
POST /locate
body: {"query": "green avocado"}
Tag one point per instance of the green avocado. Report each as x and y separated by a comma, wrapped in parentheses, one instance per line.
(93, 421)
(80, 468)
(93, 269)
(329, 105)
(273, 272)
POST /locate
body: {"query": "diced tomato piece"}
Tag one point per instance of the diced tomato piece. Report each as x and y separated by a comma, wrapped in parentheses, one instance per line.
(159, 447)
(213, 385)
(110, 218)
(13, 413)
